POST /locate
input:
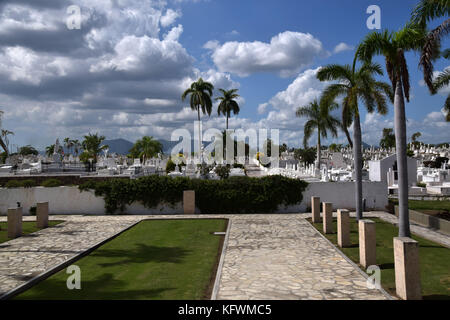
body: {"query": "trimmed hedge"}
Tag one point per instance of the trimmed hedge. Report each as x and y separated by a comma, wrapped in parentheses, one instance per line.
(29, 183)
(231, 196)
(51, 183)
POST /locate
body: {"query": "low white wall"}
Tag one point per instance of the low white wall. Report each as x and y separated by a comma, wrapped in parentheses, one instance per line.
(69, 200)
(342, 195)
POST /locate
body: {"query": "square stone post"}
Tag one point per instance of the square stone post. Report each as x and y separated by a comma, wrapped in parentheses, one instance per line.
(315, 207)
(343, 228)
(327, 217)
(42, 215)
(14, 222)
(367, 243)
(407, 273)
(189, 202)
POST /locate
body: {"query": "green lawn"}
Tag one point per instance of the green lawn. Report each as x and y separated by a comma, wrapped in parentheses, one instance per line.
(426, 205)
(434, 258)
(27, 228)
(156, 259)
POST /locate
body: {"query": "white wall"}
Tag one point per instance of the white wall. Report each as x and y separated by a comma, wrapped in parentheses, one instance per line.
(69, 200)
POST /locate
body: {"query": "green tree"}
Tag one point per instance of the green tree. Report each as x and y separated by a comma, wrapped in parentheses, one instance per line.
(388, 139)
(200, 94)
(423, 14)
(146, 148)
(393, 46)
(319, 118)
(92, 145)
(355, 86)
(28, 150)
(307, 155)
(228, 103)
(4, 134)
(68, 143)
(2, 143)
(50, 150)
(76, 146)
(441, 81)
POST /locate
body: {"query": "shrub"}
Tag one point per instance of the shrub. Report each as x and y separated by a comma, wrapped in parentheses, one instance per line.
(421, 185)
(222, 171)
(28, 183)
(33, 210)
(13, 184)
(230, 196)
(170, 166)
(51, 183)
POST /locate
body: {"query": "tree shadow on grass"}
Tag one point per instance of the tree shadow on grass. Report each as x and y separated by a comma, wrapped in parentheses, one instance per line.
(143, 254)
(105, 287)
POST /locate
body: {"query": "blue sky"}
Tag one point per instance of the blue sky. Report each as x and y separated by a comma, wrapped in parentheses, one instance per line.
(123, 72)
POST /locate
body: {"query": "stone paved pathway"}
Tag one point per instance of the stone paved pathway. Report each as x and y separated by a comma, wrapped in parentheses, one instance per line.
(284, 257)
(267, 257)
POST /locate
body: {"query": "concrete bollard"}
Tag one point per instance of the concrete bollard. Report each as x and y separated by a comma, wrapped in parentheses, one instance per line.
(327, 212)
(367, 243)
(343, 228)
(14, 222)
(407, 271)
(42, 215)
(189, 202)
(315, 207)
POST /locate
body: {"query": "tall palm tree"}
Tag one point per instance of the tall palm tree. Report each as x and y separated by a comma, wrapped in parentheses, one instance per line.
(356, 85)
(92, 144)
(227, 103)
(76, 146)
(68, 143)
(5, 133)
(320, 119)
(426, 11)
(200, 94)
(2, 143)
(393, 45)
(50, 150)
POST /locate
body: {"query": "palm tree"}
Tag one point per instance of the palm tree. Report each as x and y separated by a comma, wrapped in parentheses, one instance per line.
(50, 150)
(146, 148)
(227, 103)
(200, 93)
(92, 144)
(76, 146)
(5, 133)
(388, 139)
(441, 81)
(393, 45)
(356, 85)
(426, 11)
(2, 143)
(68, 143)
(320, 119)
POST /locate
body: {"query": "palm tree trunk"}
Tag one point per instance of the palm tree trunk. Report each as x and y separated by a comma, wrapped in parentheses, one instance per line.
(402, 162)
(227, 121)
(199, 136)
(318, 150)
(3, 145)
(347, 134)
(357, 154)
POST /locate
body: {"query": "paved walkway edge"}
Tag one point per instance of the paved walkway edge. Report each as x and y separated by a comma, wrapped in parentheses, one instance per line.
(46, 274)
(220, 266)
(365, 275)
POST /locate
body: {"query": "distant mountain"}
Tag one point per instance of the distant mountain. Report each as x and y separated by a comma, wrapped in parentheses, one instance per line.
(119, 146)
